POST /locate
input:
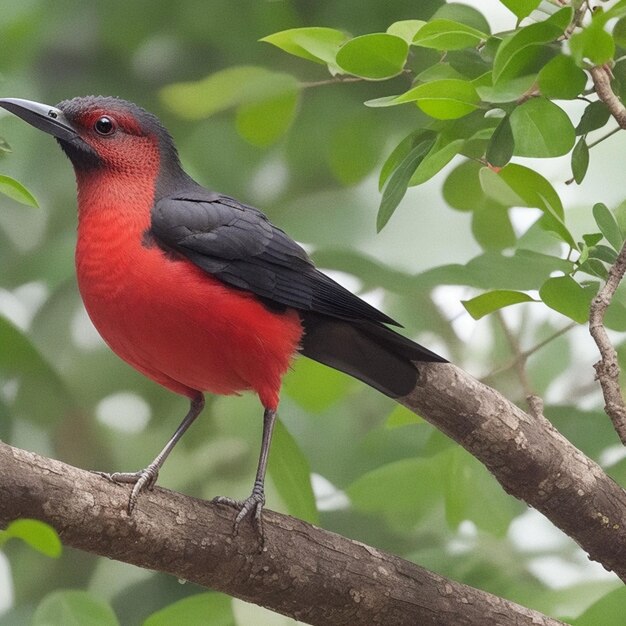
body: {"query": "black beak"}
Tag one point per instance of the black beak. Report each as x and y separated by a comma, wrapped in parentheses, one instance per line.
(42, 116)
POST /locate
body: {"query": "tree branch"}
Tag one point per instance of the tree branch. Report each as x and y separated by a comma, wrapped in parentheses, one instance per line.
(304, 572)
(530, 459)
(601, 76)
(607, 368)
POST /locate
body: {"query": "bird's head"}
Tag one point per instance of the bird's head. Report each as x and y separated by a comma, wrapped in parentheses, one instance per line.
(102, 132)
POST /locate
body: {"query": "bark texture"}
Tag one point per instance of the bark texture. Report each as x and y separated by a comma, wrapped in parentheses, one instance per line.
(530, 459)
(307, 573)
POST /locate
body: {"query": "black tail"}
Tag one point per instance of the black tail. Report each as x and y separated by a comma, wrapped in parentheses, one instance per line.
(368, 351)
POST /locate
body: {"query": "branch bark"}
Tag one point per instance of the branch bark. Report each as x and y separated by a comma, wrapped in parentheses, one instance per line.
(530, 459)
(607, 368)
(305, 572)
(601, 76)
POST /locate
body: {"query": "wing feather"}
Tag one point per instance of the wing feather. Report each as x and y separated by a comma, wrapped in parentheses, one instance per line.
(237, 244)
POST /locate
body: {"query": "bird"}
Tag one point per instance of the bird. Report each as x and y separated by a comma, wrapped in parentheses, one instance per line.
(197, 291)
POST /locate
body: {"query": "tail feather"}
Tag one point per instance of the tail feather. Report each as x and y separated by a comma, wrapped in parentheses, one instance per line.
(373, 353)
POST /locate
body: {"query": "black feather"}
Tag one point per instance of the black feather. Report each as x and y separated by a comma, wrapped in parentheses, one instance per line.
(238, 245)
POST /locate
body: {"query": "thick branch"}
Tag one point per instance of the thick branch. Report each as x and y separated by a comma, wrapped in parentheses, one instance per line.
(530, 459)
(607, 367)
(307, 573)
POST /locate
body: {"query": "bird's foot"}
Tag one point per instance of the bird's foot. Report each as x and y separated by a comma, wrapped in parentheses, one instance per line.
(252, 506)
(142, 480)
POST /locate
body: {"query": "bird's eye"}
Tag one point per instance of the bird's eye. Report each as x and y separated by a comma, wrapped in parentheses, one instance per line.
(104, 125)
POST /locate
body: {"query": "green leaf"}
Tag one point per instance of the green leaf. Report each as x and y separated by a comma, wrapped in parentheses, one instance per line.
(38, 535)
(604, 253)
(16, 191)
(592, 239)
(541, 129)
(610, 609)
(443, 99)
(506, 90)
(438, 71)
(442, 34)
(501, 145)
(462, 189)
(401, 416)
(399, 181)
(197, 610)
(464, 14)
(376, 56)
(262, 123)
(521, 8)
(516, 185)
(595, 116)
(515, 53)
(492, 228)
(620, 216)
(312, 43)
(522, 271)
(228, 88)
(398, 154)
(580, 160)
(565, 295)
(442, 152)
(291, 475)
(406, 29)
(592, 42)
(73, 608)
(561, 79)
(608, 225)
(492, 301)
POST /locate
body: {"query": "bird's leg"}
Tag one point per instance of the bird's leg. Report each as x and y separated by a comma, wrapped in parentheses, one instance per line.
(146, 478)
(253, 504)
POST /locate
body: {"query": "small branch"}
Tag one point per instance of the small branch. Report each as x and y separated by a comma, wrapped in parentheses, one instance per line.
(601, 76)
(524, 355)
(607, 368)
(331, 81)
(310, 574)
(601, 139)
(520, 365)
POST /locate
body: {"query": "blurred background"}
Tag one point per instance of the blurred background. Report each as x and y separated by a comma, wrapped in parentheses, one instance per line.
(378, 474)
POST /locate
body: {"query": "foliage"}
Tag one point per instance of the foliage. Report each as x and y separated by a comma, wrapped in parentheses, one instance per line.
(424, 98)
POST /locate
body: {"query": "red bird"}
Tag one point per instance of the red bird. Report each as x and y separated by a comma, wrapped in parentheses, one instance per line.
(196, 290)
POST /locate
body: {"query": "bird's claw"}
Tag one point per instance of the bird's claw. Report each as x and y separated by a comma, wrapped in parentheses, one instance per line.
(252, 506)
(142, 480)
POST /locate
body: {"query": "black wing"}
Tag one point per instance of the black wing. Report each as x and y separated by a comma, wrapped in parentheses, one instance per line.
(238, 245)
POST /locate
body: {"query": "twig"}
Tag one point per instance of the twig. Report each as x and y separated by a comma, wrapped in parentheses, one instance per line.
(524, 355)
(607, 368)
(305, 572)
(535, 403)
(331, 81)
(601, 139)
